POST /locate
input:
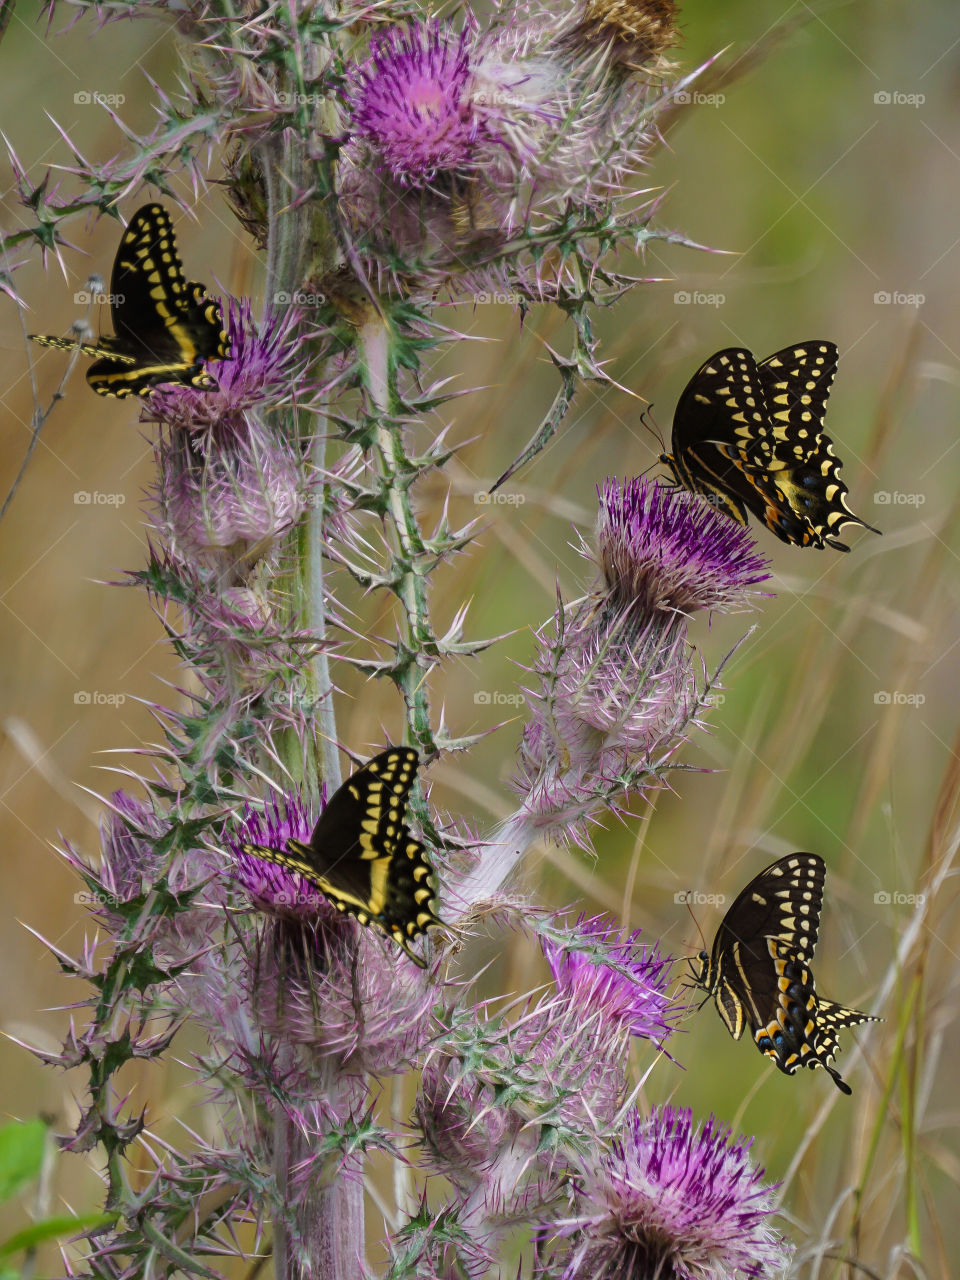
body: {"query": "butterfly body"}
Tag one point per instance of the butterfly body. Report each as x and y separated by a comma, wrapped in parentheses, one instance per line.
(165, 327)
(748, 437)
(758, 971)
(362, 855)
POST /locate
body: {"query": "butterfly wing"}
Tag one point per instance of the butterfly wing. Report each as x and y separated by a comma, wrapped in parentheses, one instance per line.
(157, 316)
(719, 407)
(749, 438)
(782, 905)
(791, 450)
(164, 327)
(759, 969)
(783, 902)
(362, 855)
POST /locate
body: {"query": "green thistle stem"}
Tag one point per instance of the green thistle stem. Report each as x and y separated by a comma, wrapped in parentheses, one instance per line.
(321, 1235)
(418, 647)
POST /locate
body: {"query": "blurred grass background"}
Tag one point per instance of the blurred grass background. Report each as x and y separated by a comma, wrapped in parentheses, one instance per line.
(827, 197)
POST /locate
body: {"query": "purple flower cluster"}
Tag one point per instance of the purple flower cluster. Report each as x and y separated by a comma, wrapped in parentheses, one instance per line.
(671, 1200)
(663, 549)
(632, 996)
(440, 153)
(411, 102)
(455, 138)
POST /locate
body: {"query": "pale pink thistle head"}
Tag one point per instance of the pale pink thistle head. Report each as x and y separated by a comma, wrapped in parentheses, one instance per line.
(341, 992)
(225, 496)
(462, 1130)
(674, 1202)
(484, 1143)
(129, 835)
(614, 695)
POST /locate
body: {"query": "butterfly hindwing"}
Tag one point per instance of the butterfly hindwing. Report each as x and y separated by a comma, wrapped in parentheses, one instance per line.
(362, 854)
(758, 970)
(164, 327)
(749, 437)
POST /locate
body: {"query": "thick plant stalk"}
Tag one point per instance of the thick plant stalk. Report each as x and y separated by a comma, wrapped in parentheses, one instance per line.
(328, 1241)
(375, 349)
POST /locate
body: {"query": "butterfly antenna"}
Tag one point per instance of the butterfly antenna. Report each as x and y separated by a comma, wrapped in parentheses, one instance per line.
(696, 924)
(652, 427)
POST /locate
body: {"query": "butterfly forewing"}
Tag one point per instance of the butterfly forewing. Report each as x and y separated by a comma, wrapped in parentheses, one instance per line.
(758, 970)
(749, 437)
(782, 902)
(362, 855)
(164, 328)
(796, 383)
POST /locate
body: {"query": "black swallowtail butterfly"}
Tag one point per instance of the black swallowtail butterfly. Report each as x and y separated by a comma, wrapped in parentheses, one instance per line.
(749, 437)
(164, 326)
(362, 856)
(759, 969)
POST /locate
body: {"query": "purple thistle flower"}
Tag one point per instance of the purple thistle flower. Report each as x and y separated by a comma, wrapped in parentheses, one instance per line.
(267, 361)
(616, 688)
(675, 1203)
(667, 550)
(637, 1003)
(410, 101)
(273, 888)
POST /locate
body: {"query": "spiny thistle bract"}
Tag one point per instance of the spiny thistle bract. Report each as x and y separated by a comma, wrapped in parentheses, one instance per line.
(384, 163)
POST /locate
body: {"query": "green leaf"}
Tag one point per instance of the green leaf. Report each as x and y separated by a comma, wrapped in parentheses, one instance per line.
(54, 1228)
(21, 1155)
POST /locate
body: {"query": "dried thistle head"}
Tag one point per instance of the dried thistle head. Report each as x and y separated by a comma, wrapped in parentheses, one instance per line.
(636, 33)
